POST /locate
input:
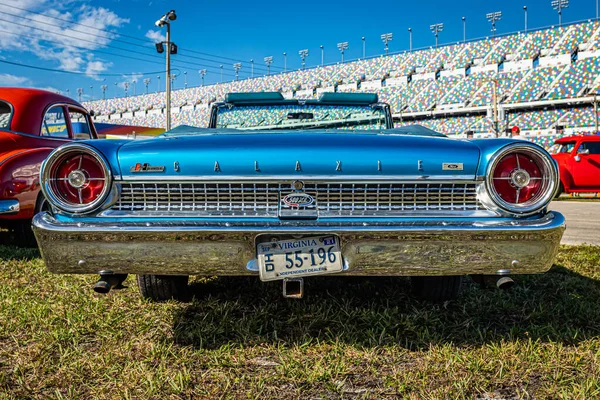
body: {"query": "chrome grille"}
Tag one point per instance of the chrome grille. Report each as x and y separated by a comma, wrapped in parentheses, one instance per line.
(263, 199)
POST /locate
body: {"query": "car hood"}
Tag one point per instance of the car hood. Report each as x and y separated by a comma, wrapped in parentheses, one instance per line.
(318, 154)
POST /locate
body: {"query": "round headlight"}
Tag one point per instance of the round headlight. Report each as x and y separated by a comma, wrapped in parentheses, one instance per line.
(75, 178)
(522, 178)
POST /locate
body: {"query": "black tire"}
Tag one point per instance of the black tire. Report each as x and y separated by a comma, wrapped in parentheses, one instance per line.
(436, 288)
(22, 231)
(163, 287)
(560, 191)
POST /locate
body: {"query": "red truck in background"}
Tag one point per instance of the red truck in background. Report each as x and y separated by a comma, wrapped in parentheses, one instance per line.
(32, 123)
(578, 160)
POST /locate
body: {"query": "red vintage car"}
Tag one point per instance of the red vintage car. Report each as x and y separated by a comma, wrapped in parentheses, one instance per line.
(32, 124)
(578, 160)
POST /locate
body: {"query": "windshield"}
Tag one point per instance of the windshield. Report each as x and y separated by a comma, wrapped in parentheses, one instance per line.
(5, 114)
(296, 116)
(562, 148)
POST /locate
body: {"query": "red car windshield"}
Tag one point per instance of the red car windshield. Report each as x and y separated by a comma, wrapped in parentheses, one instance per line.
(5, 114)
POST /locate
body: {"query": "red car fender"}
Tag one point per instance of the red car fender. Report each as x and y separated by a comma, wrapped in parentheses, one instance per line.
(19, 179)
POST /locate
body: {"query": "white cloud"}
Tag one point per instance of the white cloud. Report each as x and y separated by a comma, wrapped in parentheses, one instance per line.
(13, 80)
(56, 37)
(157, 36)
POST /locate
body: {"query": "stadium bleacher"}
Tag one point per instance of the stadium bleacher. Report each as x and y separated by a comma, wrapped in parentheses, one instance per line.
(530, 75)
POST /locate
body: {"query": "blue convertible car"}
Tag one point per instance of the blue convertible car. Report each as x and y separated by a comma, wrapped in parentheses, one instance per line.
(289, 189)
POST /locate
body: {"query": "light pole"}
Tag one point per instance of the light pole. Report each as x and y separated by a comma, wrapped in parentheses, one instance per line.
(146, 83)
(92, 92)
(221, 68)
(252, 68)
(436, 29)
(364, 47)
(409, 39)
(342, 47)
(237, 67)
(173, 77)
(558, 5)
(157, 83)
(303, 55)
(67, 92)
(116, 89)
(386, 38)
(268, 62)
(525, 12)
(202, 74)
(79, 93)
(134, 83)
(104, 87)
(126, 86)
(166, 20)
(493, 17)
(322, 55)
(284, 62)
(185, 79)
(464, 20)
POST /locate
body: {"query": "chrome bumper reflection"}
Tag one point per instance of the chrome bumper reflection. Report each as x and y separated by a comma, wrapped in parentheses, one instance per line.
(8, 207)
(417, 247)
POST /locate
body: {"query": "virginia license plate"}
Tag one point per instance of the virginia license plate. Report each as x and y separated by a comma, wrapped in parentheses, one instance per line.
(292, 258)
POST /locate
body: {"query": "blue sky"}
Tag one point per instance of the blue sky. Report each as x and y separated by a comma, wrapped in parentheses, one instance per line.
(227, 31)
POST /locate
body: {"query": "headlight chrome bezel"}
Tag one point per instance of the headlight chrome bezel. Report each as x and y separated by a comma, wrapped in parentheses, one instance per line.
(46, 180)
(550, 181)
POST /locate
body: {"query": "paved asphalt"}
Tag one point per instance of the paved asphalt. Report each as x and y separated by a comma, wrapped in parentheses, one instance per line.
(583, 221)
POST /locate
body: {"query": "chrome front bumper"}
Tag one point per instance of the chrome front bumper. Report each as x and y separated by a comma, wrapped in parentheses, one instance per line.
(385, 248)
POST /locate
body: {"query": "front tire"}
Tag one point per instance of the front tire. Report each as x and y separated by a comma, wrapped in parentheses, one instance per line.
(436, 288)
(163, 287)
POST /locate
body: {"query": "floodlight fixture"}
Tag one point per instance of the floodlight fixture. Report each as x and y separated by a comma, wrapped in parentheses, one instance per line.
(386, 38)
(237, 67)
(268, 61)
(494, 17)
(303, 54)
(436, 29)
(558, 5)
(342, 47)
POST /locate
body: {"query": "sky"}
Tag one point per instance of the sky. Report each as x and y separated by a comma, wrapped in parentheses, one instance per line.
(111, 42)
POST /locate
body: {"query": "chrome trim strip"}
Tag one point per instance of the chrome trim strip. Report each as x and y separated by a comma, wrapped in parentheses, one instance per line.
(8, 207)
(386, 248)
(318, 178)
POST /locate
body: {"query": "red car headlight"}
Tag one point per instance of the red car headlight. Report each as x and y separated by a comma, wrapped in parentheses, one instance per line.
(522, 178)
(75, 178)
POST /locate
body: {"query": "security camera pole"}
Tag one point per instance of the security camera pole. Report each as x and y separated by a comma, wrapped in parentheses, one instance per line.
(165, 20)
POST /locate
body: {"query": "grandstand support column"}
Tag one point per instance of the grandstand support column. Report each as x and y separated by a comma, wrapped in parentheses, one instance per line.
(495, 103)
(168, 91)
(596, 111)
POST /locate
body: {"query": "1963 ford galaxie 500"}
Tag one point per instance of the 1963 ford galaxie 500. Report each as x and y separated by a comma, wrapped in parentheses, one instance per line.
(288, 189)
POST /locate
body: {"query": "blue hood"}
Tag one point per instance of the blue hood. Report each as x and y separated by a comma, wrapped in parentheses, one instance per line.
(261, 154)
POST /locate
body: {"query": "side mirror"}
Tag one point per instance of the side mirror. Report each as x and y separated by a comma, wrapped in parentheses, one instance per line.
(583, 151)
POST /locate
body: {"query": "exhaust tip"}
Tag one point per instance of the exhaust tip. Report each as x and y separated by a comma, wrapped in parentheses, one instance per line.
(505, 283)
(102, 287)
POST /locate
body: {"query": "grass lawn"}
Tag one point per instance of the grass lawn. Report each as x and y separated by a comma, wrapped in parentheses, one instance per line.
(350, 338)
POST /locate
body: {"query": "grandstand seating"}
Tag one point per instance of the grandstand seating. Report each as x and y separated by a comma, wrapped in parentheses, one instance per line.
(454, 83)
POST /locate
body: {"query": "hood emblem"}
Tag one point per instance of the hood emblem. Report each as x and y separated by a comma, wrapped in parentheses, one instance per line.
(298, 200)
(139, 167)
(452, 166)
